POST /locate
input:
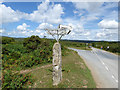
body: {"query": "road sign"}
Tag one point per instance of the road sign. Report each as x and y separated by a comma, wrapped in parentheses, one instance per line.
(57, 58)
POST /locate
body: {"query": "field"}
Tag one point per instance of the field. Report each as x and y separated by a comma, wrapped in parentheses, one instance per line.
(27, 62)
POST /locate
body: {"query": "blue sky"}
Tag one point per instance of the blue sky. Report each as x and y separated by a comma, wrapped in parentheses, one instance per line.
(89, 20)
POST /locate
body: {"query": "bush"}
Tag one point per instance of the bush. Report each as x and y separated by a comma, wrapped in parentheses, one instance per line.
(32, 42)
(6, 40)
(22, 55)
(113, 46)
(15, 80)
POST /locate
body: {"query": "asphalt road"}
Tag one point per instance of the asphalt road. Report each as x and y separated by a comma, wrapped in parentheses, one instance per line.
(103, 66)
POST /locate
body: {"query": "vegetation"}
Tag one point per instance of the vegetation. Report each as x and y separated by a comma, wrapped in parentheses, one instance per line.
(22, 54)
(6, 40)
(32, 52)
(75, 74)
(77, 45)
(113, 46)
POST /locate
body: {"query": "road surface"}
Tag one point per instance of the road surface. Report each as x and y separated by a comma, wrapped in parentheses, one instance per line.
(103, 66)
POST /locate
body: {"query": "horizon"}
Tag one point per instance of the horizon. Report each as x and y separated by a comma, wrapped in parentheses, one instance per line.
(64, 39)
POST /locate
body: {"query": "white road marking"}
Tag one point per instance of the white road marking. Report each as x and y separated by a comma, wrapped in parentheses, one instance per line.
(103, 63)
(105, 66)
(108, 70)
(116, 81)
(113, 77)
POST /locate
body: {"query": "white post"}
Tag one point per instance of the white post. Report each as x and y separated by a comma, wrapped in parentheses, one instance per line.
(57, 63)
(57, 58)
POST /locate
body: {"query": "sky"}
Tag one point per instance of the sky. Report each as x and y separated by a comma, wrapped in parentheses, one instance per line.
(89, 20)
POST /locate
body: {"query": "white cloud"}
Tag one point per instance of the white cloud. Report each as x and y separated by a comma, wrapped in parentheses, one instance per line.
(89, 6)
(44, 26)
(76, 24)
(23, 31)
(7, 14)
(47, 13)
(95, 10)
(22, 27)
(109, 30)
(108, 24)
(100, 34)
(87, 33)
(90, 11)
(44, 13)
(2, 30)
(78, 31)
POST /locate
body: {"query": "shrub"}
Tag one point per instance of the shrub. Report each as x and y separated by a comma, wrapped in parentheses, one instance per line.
(32, 42)
(6, 40)
(15, 80)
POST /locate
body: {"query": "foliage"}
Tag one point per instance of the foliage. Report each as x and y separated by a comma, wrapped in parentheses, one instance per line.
(77, 45)
(32, 42)
(73, 44)
(22, 54)
(6, 40)
(113, 46)
(15, 80)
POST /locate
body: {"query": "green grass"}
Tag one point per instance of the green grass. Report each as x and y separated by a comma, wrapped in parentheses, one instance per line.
(75, 74)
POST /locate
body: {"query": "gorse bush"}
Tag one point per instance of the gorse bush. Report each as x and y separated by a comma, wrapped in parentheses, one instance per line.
(32, 42)
(32, 51)
(15, 80)
(6, 40)
(18, 55)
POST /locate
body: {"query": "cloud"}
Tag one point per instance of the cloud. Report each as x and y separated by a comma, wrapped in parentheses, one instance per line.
(7, 14)
(44, 13)
(111, 15)
(22, 27)
(108, 24)
(2, 30)
(44, 26)
(23, 31)
(87, 33)
(109, 30)
(47, 13)
(100, 34)
(89, 6)
(91, 11)
(107, 34)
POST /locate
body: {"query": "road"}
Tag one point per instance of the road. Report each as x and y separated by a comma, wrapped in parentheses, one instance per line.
(103, 66)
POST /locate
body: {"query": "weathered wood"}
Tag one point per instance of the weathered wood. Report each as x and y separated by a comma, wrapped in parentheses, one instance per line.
(57, 63)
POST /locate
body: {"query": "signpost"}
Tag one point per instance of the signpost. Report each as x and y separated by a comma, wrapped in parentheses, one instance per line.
(57, 58)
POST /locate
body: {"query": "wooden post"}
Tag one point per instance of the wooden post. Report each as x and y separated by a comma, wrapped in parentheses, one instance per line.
(57, 63)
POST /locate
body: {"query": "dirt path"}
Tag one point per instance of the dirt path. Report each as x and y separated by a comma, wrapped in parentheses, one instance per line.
(30, 70)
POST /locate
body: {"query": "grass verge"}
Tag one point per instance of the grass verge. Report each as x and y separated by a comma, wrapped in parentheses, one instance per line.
(82, 48)
(75, 74)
